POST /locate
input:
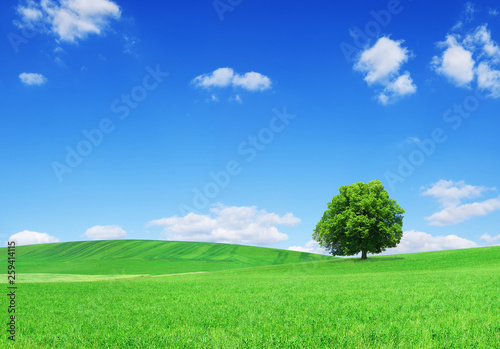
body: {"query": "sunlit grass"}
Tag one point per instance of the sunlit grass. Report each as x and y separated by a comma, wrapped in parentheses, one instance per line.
(448, 299)
(45, 277)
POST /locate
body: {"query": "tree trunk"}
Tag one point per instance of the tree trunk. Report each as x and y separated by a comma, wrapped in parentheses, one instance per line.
(363, 254)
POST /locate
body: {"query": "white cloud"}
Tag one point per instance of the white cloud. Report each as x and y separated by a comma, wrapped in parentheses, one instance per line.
(488, 79)
(27, 237)
(475, 57)
(311, 247)
(481, 39)
(105, 232)
(382, 61)
(456, 63)
(32, 79)
(492, 240)
(411, 242)
(225, 77)
(458, 214)
(252, 81)
(221, 77)
(416, 241)
(30, 13)
(449, 193)
(68, 19)
(493, 12)
(240, 225)
(381, 64)
(402, 86)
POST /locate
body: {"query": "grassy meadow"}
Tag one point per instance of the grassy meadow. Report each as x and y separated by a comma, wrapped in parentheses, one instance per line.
(95, 295)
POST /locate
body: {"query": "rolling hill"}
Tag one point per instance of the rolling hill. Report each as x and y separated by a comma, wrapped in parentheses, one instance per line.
(153, 257)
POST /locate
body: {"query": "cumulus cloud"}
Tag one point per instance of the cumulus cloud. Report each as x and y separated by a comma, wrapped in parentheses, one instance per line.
(239, 225)
(32, 79)
(455, 63)
(481, 40)
(252, 81)
(458, 214)
(67, 19)
(403, 85)
(488, 79)
(382, 60)
(225, 77)
(450, 195)
(469, 58)
(27, 237)
(105, 232)
(381, 65)
(417, 241)
(492, 240)
(310, 247)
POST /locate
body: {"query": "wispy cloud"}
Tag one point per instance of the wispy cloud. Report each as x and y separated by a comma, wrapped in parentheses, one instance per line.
(240, 225)
(381, 65)
(213, 98)
(69, 20)
(32, 79)
(467, 15)
(469, 11)
(129, 46)
(236, 98)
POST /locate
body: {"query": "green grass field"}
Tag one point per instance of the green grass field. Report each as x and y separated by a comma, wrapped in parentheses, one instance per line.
(251, 297)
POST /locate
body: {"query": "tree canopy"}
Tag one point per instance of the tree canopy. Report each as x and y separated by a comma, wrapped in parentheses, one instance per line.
(361, 218)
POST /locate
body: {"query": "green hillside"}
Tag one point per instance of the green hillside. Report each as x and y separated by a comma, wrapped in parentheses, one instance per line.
(446, 299)
(138, 257)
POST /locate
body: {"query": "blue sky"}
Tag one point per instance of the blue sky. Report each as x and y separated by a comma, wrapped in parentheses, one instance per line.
(238, 121)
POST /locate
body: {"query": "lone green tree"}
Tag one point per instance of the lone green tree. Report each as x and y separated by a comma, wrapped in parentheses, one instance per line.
(362, 218)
